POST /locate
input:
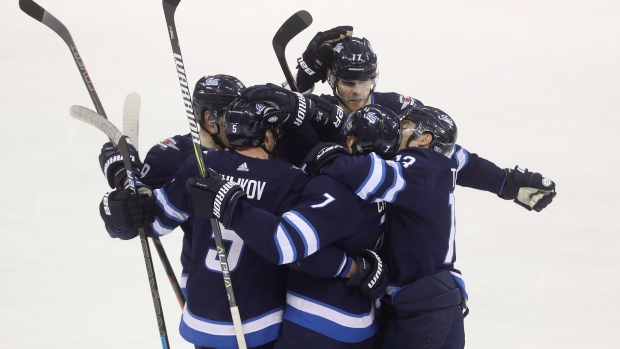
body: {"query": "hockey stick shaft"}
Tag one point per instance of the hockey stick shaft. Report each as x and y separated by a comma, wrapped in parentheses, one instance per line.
(289, 29)
(170, 7)
(131, 127)
(37, 12)
(121, 141)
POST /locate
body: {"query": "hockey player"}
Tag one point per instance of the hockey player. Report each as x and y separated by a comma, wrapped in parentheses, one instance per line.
(423, 306)
(349, 64)
(252, 129)
(325, 312)
(211, 95)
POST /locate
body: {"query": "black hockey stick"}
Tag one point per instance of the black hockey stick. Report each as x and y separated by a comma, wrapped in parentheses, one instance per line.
(121, 141)
(293, 26)
(131, 126)
(170, 7)
(37, 12)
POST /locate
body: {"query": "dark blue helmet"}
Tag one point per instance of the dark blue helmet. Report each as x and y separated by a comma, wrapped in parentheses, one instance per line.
(247, 121)
(353, 59)
(436, 122)
(376, 129)
(214, 93)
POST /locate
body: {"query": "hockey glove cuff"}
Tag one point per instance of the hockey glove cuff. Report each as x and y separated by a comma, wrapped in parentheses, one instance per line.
(295, 108)
(121, 209)
(111, 163)
(214, 197)
(323, 154)
(371, 274)
(327, 118)
(528, 189)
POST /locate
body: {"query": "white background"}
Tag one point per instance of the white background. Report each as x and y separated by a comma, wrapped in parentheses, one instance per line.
(532, 82)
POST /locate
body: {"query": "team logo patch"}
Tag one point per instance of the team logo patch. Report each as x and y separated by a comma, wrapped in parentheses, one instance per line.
(211, 82)
(371, 117)
(406, 101)
(168, 143)
(260, 107)
(446, 118)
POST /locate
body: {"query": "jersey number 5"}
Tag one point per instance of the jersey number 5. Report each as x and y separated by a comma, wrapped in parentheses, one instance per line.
(233, 253)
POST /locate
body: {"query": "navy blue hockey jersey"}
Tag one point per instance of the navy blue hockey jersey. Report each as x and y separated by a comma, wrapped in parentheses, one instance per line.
(420, 225)
(159, 167)
(259, 285)
(329, 214)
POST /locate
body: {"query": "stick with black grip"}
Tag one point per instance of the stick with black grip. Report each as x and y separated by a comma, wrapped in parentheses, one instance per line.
(170, 7)
(37, 12)
(99, 121)
(293, 26)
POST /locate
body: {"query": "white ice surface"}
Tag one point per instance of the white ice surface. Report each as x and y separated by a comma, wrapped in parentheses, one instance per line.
(532, 82)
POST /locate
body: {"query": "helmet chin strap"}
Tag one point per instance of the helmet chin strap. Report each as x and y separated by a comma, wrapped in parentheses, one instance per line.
(215, 136)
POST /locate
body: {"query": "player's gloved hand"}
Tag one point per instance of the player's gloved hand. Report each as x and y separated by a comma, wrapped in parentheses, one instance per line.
(323, 154)
(294, 107)
(371, 274)
(528, 189)
(214, 197)
(317, 59)
(111, 162)
(327, 118)
(121, 209)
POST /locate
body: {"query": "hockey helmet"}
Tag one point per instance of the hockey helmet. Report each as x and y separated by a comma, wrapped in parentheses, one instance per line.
(376, 129)
(436, 122)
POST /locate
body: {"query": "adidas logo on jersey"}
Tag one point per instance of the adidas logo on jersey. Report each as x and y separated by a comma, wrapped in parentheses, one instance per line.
(243, 167)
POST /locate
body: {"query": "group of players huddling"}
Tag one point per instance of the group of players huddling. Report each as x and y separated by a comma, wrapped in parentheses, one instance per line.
(337, 211)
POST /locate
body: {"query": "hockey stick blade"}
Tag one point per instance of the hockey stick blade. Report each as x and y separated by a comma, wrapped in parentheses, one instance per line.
(131, 126)
(131, 117)
(99, 121)
(102, 123)
(293, 26)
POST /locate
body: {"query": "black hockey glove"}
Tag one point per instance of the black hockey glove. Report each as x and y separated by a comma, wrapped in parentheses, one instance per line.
(121, 209)
(323, 154)
(294, 107)
(214, 197)
(317, 59)
(528, 189)
(371, 274)
(327, 119)
(111, 162)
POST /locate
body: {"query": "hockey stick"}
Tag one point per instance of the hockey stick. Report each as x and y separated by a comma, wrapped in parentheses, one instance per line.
(170, 7)
(102, 123)
(131, 126)
(37, 12)
(293, 26)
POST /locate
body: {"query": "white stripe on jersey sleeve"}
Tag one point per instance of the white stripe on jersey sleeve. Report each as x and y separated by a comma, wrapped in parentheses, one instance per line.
(170, 211)
(310, 306)
(374, 179)
(461, 157)
(305, 230)
(397, 187)
(284, 243)
(218, 328)
(159, 229)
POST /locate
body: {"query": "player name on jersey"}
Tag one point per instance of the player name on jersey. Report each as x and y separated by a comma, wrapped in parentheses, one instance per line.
(253, 188)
